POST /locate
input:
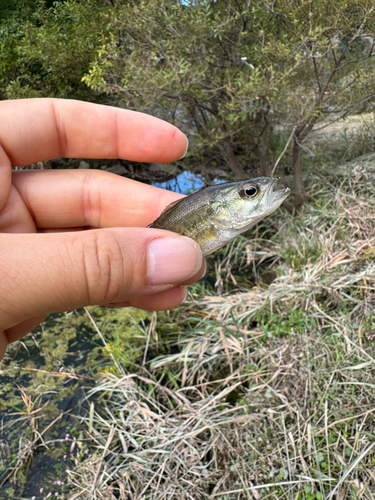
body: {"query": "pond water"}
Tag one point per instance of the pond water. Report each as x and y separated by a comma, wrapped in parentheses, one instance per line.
(186, 183)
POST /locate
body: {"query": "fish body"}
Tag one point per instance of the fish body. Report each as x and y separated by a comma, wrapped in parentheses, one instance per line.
(215, 215)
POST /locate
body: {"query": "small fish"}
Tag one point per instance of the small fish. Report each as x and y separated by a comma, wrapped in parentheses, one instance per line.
(217, 214)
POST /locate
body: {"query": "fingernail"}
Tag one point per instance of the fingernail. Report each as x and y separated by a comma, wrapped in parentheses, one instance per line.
(173, 260)
(187, 147)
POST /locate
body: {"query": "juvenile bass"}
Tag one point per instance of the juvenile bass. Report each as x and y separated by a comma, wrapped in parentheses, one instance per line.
(215, 215)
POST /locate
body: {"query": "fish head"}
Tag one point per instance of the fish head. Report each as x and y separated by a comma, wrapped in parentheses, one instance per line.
(250, 201)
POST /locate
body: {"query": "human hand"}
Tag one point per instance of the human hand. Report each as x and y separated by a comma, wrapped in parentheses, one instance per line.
(70, 238)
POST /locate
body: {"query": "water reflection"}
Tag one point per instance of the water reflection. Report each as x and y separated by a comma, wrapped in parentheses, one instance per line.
(185, 183)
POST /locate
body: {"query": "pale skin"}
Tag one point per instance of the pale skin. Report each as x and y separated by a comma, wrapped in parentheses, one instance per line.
(72, 238)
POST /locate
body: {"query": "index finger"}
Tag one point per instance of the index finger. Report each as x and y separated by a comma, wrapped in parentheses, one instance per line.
(33, 130)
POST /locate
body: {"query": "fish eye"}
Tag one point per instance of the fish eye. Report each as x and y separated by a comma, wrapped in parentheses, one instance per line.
(249, 191)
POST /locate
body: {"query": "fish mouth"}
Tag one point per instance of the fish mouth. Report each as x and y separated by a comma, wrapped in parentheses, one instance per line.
(279, 195)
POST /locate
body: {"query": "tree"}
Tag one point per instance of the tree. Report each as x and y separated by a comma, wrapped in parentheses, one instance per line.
(226, 71)
(232, 70)
(189, 63)
(333, 55)
(47, 46)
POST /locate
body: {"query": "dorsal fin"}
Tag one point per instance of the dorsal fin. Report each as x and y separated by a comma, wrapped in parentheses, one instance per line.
(171, 205)
(167, 208)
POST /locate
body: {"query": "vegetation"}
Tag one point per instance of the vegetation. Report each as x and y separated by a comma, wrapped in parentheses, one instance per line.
(230, 73)
(261, 384)
(249, 390)
(225, 69)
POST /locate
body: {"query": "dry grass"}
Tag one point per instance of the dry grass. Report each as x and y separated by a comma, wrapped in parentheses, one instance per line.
(267, 392)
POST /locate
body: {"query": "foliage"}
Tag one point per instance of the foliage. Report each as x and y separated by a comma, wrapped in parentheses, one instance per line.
(47, 47)
(230, 73)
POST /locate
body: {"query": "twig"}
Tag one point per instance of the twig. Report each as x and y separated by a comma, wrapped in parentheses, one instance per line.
(52, 374)
(284, 150)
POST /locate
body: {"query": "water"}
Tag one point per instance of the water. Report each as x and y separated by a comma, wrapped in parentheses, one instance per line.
(186, 183)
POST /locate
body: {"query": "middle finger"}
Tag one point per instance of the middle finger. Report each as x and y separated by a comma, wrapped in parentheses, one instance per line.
(80, 198)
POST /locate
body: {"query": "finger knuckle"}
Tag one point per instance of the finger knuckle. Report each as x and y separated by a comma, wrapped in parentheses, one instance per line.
(103, 267)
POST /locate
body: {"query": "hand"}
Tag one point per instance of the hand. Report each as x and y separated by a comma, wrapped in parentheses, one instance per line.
(77, 237)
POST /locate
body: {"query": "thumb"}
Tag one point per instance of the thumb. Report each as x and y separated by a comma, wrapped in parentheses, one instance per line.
(53, 272)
